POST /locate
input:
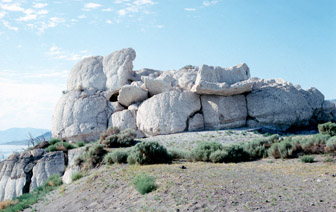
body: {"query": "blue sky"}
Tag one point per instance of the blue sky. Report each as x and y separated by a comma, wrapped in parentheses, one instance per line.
(41, 40)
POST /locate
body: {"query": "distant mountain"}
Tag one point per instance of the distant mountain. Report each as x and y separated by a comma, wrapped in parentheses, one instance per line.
(20, 134)
(333, 100)
(44, 137)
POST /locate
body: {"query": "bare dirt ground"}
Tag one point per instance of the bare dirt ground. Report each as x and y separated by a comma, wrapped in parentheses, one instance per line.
(264, 185)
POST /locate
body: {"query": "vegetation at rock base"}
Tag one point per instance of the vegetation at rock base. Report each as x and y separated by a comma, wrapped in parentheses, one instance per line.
(307, 159)
(27, 199)
(328, 128)
(144, 183)
(119, 156)
(113, 137)
(91, 157)
(60, 146)
(76, 176)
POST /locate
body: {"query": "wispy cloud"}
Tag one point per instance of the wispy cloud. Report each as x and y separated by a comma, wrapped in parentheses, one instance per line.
(40, 5)
(7, 25)
(16, 7)
(136, 6)
(209, 3)
(90, 6)
(190, 9)
(58, 53)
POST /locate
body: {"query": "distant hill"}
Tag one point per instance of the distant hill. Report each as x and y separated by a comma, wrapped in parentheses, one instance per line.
(333, 100)
(44, 137)
(20, 134)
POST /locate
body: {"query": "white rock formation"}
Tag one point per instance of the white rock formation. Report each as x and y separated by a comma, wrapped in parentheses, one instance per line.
(72, 168)
(223, 81)
(278, 104)
(125, 119)
(167, 113)
(87, 73)
(224, 112)
(196, 122)
(80, 116)
(130, 94)
(118, 68)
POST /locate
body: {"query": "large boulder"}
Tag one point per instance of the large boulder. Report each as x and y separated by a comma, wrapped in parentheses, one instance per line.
(50, 164)
(72, 168)
(223, 81)
(158, 85)
(196, 122)
(327, 112)
(118, 68)
(130, 94)
(125, 120)
(146, 72)
(87, 73)
(224, 112)
(81, 116)
(278, 104)
(167, 112)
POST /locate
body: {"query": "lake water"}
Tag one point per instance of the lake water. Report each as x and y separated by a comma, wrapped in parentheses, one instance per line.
(6, 150)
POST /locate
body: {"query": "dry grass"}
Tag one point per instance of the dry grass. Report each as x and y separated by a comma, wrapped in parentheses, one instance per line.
(6, 203)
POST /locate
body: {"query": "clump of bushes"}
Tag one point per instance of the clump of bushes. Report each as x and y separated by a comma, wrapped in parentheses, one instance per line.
(144, 183)
(91, 157)
(176, 154)
(113, 137)
(59, 146)
(119, 156)
(258, 148)
(203, 151)
(149, 152)
(328, 128)
(307, 159)
(76, 176)
(80, 143)
(331, 144)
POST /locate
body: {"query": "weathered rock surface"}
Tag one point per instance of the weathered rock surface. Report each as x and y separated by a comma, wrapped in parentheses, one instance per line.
(224, 112)
(167, 113)
(118, 68)
(125, 119)
(72, 167)
(87, 73)
(277, 103)
(327, 112)
(223, 81)
(50, 164)
(146, 72)
(130, 94)
(196, 122)
(21, 172)
(80, 116)
(156, 86)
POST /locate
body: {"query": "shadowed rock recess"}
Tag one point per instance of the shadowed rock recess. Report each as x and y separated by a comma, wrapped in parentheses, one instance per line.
(106, 91)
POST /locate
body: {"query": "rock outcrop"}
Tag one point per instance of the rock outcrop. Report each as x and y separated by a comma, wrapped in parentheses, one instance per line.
(23, 172)
(106, 91)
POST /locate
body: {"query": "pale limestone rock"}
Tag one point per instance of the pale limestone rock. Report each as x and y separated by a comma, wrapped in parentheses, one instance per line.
(224, 112)
(72, 168)
(145, 72)
(51, 164)
(223, 81)
(118, 68)
(87, 73)
(277, 103)
(130, 94)
(156, 86)
(327, 112)
(125, 120)
(196, 122)
(167, 112)
(80, 116)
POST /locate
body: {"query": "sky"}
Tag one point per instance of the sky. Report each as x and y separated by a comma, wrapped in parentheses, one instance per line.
(40, 41)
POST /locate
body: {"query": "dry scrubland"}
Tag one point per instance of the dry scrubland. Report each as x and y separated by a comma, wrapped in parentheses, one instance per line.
(262, 185)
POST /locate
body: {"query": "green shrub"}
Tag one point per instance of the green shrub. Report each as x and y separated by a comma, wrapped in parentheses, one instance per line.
(60, 146)
(54, 141)
(178, 154)
(124, 138)
(218, 156)
(236, 153)
(285, 149)
(76, 176)
(314, 144)
(307, 159)
(110, 131)
(331, 144)
(328, 160)
(328, 128)
(80, 143)
(258, 147)
(91, 157)
(203, 151)
(144, 183)
(119, 156)
(149, 152)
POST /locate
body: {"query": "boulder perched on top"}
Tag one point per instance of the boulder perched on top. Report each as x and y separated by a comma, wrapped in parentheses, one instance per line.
(118, 68)
(81, 116)
(223, 81)
(130, 94)
(278, 104)
(167, 112)
(87, 73)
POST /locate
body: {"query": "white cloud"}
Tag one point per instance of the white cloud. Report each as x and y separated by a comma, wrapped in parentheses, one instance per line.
(142, 2)
(16, 7)
(107, 10)
(40, 5)
(209, 3)
(122, 12)
(28, 17)
(42, 12)
(137, 6)
(58, 53)
(2, 14)
(57, 20)
(7, 25)
(159, 26)
(109, 21)
(190, 9)
(89, 6)
(121, 1)
(82, 16)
